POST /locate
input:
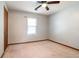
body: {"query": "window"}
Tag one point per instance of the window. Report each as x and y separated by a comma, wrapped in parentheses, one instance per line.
(31, 22)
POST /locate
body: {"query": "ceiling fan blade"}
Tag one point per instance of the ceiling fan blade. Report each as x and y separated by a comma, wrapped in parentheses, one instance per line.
(53, 2)
(41, 1)
(38, 7)
(47, 8)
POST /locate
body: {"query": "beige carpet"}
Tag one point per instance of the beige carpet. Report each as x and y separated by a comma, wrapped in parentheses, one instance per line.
(42, 49)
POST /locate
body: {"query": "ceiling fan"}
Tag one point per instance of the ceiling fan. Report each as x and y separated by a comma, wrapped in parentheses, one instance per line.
(45, 4)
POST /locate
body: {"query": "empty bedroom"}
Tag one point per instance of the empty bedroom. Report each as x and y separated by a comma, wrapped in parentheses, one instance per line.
(39, 29)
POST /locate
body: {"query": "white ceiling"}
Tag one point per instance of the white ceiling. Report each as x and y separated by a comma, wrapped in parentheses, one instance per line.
(30, 5)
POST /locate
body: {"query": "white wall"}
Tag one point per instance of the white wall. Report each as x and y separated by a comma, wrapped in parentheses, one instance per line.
(1, 28)
(64, 26)
(18, 27)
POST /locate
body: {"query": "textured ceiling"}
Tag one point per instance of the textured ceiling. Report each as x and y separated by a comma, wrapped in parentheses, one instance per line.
(30, 5)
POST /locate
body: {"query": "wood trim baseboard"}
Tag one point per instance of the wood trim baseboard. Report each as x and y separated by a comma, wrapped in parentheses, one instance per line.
(64, 45)
(28, 42)
(3, 53)
(45, 40)
(39, 41)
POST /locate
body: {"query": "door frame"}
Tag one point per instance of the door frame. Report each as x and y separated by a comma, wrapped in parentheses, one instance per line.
(5, 28)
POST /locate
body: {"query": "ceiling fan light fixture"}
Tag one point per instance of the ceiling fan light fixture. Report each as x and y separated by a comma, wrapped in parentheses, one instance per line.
(44, 5)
